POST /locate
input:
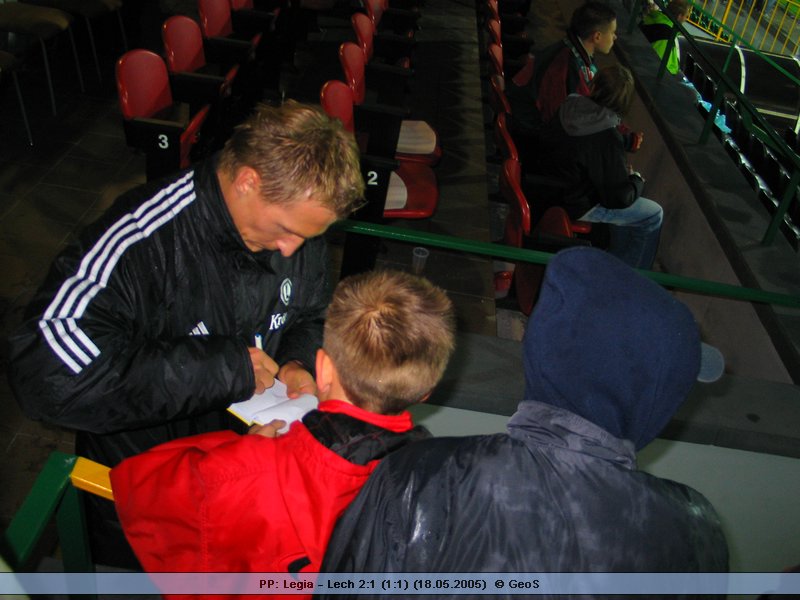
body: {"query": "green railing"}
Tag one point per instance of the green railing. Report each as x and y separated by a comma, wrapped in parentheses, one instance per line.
(777, 31)
(753, 119)
(53, 495)
(698, 286)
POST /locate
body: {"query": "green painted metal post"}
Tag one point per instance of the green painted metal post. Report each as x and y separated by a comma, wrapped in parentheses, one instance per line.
(788, 197)
(712, 113)
(729, 56)
(72, 534)
(662, 67)
(52, 495)
(722, 87)
(40, 505)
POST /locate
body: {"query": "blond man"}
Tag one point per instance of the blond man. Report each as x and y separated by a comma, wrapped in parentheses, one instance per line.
(190, 293)
(229, 503)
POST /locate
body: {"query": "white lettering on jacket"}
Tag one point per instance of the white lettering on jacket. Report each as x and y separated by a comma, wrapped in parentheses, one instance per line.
(277, 321)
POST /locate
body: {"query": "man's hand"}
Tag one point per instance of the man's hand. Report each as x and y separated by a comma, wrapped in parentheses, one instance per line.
(269, 430)
(264, 368)
(298, 381)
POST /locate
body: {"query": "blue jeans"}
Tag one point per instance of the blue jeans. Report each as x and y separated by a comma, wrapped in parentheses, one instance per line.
(634, 231)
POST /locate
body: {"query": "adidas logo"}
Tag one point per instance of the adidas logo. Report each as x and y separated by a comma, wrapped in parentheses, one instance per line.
(199, 329)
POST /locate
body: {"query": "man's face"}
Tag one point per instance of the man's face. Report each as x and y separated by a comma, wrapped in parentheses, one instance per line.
(264, 225)
(604, 40)
(283, 227)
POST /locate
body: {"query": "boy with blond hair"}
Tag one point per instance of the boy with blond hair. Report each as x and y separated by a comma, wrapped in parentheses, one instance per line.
(229, 503)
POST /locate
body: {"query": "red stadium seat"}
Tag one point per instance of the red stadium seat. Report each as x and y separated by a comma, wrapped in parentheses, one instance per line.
(414, 140)
(163, 129)
(407, 190)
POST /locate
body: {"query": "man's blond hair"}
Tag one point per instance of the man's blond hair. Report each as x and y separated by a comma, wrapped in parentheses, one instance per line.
(389, 334)
(298, 151)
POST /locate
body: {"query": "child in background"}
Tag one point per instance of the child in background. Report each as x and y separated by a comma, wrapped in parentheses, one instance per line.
(657, 28)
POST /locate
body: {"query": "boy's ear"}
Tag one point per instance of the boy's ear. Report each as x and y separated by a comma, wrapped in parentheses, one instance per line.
(325, 373)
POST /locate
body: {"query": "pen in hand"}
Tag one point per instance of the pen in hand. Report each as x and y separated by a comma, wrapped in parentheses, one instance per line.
(264, 369)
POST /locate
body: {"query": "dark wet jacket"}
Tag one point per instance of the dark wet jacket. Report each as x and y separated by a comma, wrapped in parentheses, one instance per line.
(560, 69)
(139, 334)
(586, 152)
(608, 358)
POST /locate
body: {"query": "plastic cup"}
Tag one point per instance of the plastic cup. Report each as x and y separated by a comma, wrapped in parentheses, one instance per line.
(418, 258)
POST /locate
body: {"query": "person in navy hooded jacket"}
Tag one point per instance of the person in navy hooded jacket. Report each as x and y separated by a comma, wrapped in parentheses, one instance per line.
(609, 357)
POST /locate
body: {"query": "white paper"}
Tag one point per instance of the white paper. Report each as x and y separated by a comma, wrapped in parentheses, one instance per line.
(273, 403)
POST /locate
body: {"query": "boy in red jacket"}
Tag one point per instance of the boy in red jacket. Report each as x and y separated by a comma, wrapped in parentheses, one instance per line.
(221, 502)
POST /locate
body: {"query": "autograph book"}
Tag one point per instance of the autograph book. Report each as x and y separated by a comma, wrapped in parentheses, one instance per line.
(273, 403)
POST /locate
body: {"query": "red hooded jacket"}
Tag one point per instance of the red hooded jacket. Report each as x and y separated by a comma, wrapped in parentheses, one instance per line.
(222, 502)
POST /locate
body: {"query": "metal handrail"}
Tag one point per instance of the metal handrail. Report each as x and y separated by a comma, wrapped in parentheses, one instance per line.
(53, 495)
(724, 84)
(700, 286)
(745, 13)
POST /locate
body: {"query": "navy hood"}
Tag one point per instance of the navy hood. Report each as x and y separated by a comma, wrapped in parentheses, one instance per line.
(609, 345)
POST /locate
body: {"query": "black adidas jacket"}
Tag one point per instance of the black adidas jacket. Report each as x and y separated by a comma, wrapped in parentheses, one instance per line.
(140, 332)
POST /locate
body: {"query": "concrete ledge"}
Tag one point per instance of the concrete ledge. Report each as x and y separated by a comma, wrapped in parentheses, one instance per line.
(742, 413)
(486, 375)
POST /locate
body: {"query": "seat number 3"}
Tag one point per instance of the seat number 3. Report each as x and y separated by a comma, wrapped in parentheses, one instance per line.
(163, 141)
